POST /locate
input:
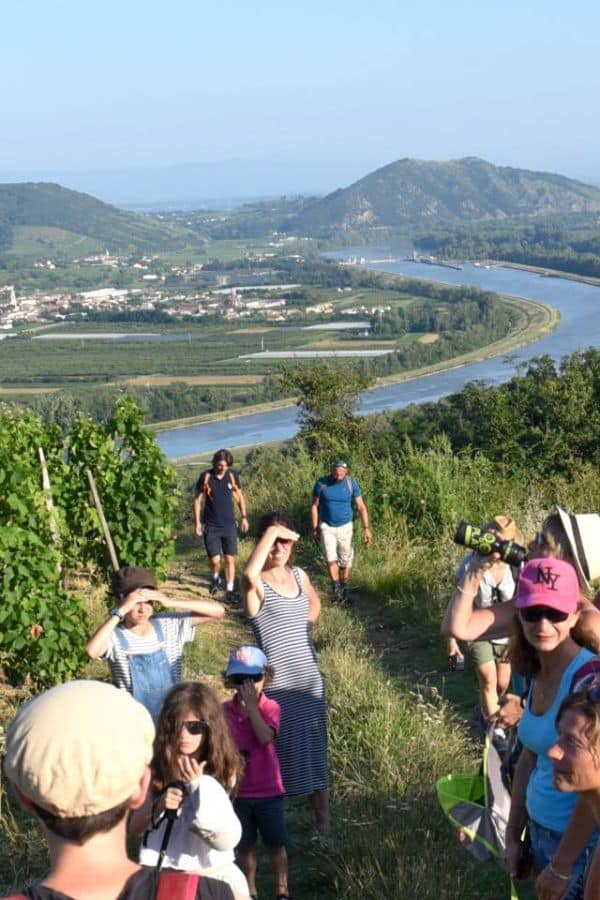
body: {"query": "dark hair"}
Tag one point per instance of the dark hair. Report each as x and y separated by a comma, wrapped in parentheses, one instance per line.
(79, 829)
(277, 517)
(583, 702)
(223, 455)
(223, 761)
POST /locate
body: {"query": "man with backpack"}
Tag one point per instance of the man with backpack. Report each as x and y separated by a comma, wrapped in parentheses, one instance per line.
(331, 511)
(78, 759)
(214, 519)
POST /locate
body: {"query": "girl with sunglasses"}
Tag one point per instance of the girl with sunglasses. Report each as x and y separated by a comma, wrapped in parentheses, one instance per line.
(254, 721)
(194, 768)
(542, 650)
(282, 606)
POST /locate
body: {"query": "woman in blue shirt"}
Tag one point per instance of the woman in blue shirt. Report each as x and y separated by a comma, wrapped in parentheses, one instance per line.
(546, 608)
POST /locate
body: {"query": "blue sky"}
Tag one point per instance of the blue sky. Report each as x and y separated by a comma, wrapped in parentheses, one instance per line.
(317, 94)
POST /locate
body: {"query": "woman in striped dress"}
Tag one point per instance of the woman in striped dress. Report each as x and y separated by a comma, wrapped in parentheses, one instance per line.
(282, 606)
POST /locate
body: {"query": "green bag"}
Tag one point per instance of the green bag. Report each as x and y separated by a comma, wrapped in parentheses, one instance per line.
(478, 805)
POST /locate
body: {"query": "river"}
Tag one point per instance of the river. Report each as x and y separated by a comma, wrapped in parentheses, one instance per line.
(579, 305)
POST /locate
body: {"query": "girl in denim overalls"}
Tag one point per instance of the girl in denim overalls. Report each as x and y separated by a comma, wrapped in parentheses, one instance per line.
(145, 650)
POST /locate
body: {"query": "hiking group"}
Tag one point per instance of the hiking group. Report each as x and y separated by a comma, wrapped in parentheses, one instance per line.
(197, 780)
(163, 760)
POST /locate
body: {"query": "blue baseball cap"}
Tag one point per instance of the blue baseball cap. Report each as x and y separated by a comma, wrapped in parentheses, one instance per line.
(246, 661)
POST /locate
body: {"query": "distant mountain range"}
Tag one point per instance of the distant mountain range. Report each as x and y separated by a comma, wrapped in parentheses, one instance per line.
(39, 204)
(409, 194)
(415, 192)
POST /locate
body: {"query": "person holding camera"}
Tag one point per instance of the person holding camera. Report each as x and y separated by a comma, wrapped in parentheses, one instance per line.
(497, 585)
(254, 721)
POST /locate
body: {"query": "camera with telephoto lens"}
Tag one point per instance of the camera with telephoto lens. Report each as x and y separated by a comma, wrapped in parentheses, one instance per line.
(487, 542)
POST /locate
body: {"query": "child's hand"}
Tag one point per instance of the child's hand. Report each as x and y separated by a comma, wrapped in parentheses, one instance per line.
(172, 798)
(248, 693)
(190, 768)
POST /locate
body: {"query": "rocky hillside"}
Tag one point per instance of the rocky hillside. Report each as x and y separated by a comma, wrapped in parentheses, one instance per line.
(415, 192)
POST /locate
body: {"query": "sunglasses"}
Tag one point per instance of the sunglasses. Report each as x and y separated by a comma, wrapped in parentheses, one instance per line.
(195, 728)
(285, 541)
(240, 679)
(537, 613)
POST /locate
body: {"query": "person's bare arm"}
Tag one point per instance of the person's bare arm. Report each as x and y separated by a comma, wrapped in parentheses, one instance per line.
(265, 734)
(98, 643)
(202, 610)
(253, 592)
(466, 623)
(314, 518)
(241, 502)
(364, 518)
(198, 507)
(588, 625)
(518, 812)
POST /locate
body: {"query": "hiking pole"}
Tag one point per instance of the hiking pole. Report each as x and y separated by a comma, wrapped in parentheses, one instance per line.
(170, 815)
(103, 523)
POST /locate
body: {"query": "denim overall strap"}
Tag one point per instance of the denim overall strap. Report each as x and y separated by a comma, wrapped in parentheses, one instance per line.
(151, 676)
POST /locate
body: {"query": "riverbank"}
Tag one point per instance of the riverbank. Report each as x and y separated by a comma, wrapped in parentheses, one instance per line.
(545, 272)
(540, 320)
(233, 413)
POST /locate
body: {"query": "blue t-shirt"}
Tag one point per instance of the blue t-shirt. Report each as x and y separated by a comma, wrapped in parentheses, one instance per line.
(546, 805)
(335, 499)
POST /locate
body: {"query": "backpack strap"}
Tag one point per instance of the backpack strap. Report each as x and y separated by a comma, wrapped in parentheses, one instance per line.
(206, 489)
(175, 885)
(235, 488)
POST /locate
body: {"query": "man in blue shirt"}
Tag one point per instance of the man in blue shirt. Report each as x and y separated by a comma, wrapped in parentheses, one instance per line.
(331, 520)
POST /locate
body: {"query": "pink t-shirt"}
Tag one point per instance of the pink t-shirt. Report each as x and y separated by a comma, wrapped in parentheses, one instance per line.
(262, 776)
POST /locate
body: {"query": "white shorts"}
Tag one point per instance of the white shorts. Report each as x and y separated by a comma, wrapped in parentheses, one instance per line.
(337, 542)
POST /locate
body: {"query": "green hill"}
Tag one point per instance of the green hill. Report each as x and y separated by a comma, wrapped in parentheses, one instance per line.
(34, 205)
(412, 192)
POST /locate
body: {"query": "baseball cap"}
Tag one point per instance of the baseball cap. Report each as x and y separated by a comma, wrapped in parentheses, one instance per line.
(548, 582)
(339, 464)
(80, 748)
(130, 578)
(246, 661)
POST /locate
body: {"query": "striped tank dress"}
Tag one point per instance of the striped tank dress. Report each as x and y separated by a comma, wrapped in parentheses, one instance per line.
(282, 632)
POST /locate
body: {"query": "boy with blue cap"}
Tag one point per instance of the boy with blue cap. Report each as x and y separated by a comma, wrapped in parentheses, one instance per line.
(254, 720)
